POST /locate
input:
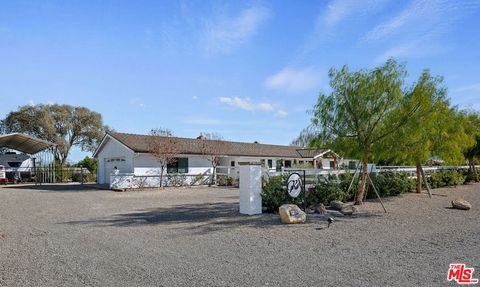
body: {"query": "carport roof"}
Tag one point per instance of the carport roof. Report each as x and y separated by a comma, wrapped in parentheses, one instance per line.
(24, 143)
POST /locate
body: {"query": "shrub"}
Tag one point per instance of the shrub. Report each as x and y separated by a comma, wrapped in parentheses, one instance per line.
(468, 175)
(274, 194)
(390, 184)
(177, 179)
(326, 191)
(446, 178)
(198, 179)
(224, 180)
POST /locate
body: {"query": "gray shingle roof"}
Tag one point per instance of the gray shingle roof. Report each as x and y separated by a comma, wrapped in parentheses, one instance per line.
(140, 143)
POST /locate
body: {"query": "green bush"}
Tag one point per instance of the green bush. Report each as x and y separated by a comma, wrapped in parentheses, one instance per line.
(224, 180)
(328, 189)
(446, 178)
(274, 194)
(177, 179)
(390, 184)
(468, 175)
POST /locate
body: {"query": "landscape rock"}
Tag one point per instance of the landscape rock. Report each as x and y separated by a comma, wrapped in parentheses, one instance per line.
(320, 208)
(336, 205)
(348, 209)
(461, 203)
(335, 213)
(290, 213)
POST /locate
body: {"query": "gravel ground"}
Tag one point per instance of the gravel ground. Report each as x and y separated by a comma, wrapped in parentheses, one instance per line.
(64, 235)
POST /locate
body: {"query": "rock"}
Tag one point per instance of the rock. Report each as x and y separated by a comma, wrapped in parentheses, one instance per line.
(290, 213)
(348, 209)
(461, 203)
(320, 208)
(335, 213)
(336, 204)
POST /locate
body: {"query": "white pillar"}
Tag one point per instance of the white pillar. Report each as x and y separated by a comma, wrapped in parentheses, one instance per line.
(250, 188)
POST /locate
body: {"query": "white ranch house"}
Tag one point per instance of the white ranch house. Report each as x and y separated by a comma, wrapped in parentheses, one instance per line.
(130, 154)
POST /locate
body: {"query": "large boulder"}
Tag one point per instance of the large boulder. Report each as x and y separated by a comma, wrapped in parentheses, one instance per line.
(348, 209)
(336, 205)
(290, 213)
(461, 203)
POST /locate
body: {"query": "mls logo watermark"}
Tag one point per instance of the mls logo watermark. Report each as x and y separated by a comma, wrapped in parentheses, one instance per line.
(460, 273)
(294, 185)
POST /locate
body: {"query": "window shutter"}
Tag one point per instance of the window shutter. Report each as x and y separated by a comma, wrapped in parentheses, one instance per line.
(183, 165)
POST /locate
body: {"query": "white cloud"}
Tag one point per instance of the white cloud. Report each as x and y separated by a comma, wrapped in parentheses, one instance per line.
(246, 104)
(195, 98)
(294, 80)
(474, 88)
(228, 33)
(421, 27)
(281, 113)
(137, 102)
(413, 49)
(31, 103)
(339, 10)
(420, 14)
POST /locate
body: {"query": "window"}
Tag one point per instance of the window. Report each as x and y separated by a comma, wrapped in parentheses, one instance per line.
(262, 162)
(14, 164)
(270, 163)
(279, 165)
(232, 163)
(179, 166)
(352, 164)
(288, 163)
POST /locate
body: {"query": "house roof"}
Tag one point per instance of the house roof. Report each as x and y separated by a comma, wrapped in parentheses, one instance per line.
(140, 144)
(24, 143)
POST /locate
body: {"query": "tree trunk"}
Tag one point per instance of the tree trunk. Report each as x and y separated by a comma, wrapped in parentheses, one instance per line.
(419, 178)
(161, 176)
(474, 170)
(214, 168)
(363, 183)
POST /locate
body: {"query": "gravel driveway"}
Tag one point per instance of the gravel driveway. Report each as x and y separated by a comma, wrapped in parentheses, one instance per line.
(64, 235)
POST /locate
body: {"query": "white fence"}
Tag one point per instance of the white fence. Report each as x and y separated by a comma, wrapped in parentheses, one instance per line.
(124, 181)
(131, 181)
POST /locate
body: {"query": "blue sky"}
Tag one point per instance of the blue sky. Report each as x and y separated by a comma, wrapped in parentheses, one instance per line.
(247, 70)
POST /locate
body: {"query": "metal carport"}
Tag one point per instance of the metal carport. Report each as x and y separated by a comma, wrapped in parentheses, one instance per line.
(41, 151)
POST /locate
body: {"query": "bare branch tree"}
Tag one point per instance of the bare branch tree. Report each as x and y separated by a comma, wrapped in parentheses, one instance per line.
(212, 148)
(164, 147)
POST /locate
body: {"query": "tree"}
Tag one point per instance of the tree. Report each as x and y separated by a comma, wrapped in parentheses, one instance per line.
(471, 123)
(64, 125)
(435, 131)
(89, 163)
(164, 147)
(363, 109)
(212, 148)
(306, 137)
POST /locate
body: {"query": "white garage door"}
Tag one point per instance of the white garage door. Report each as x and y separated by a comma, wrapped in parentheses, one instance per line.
(111, 163)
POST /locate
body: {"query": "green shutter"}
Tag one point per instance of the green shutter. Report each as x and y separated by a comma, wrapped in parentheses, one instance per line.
(183, 165)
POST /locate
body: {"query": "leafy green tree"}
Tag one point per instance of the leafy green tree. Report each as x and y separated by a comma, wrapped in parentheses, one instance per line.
(89, 163)
(363, 109)
(436, 130)
(471, 122)
(63, 125)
